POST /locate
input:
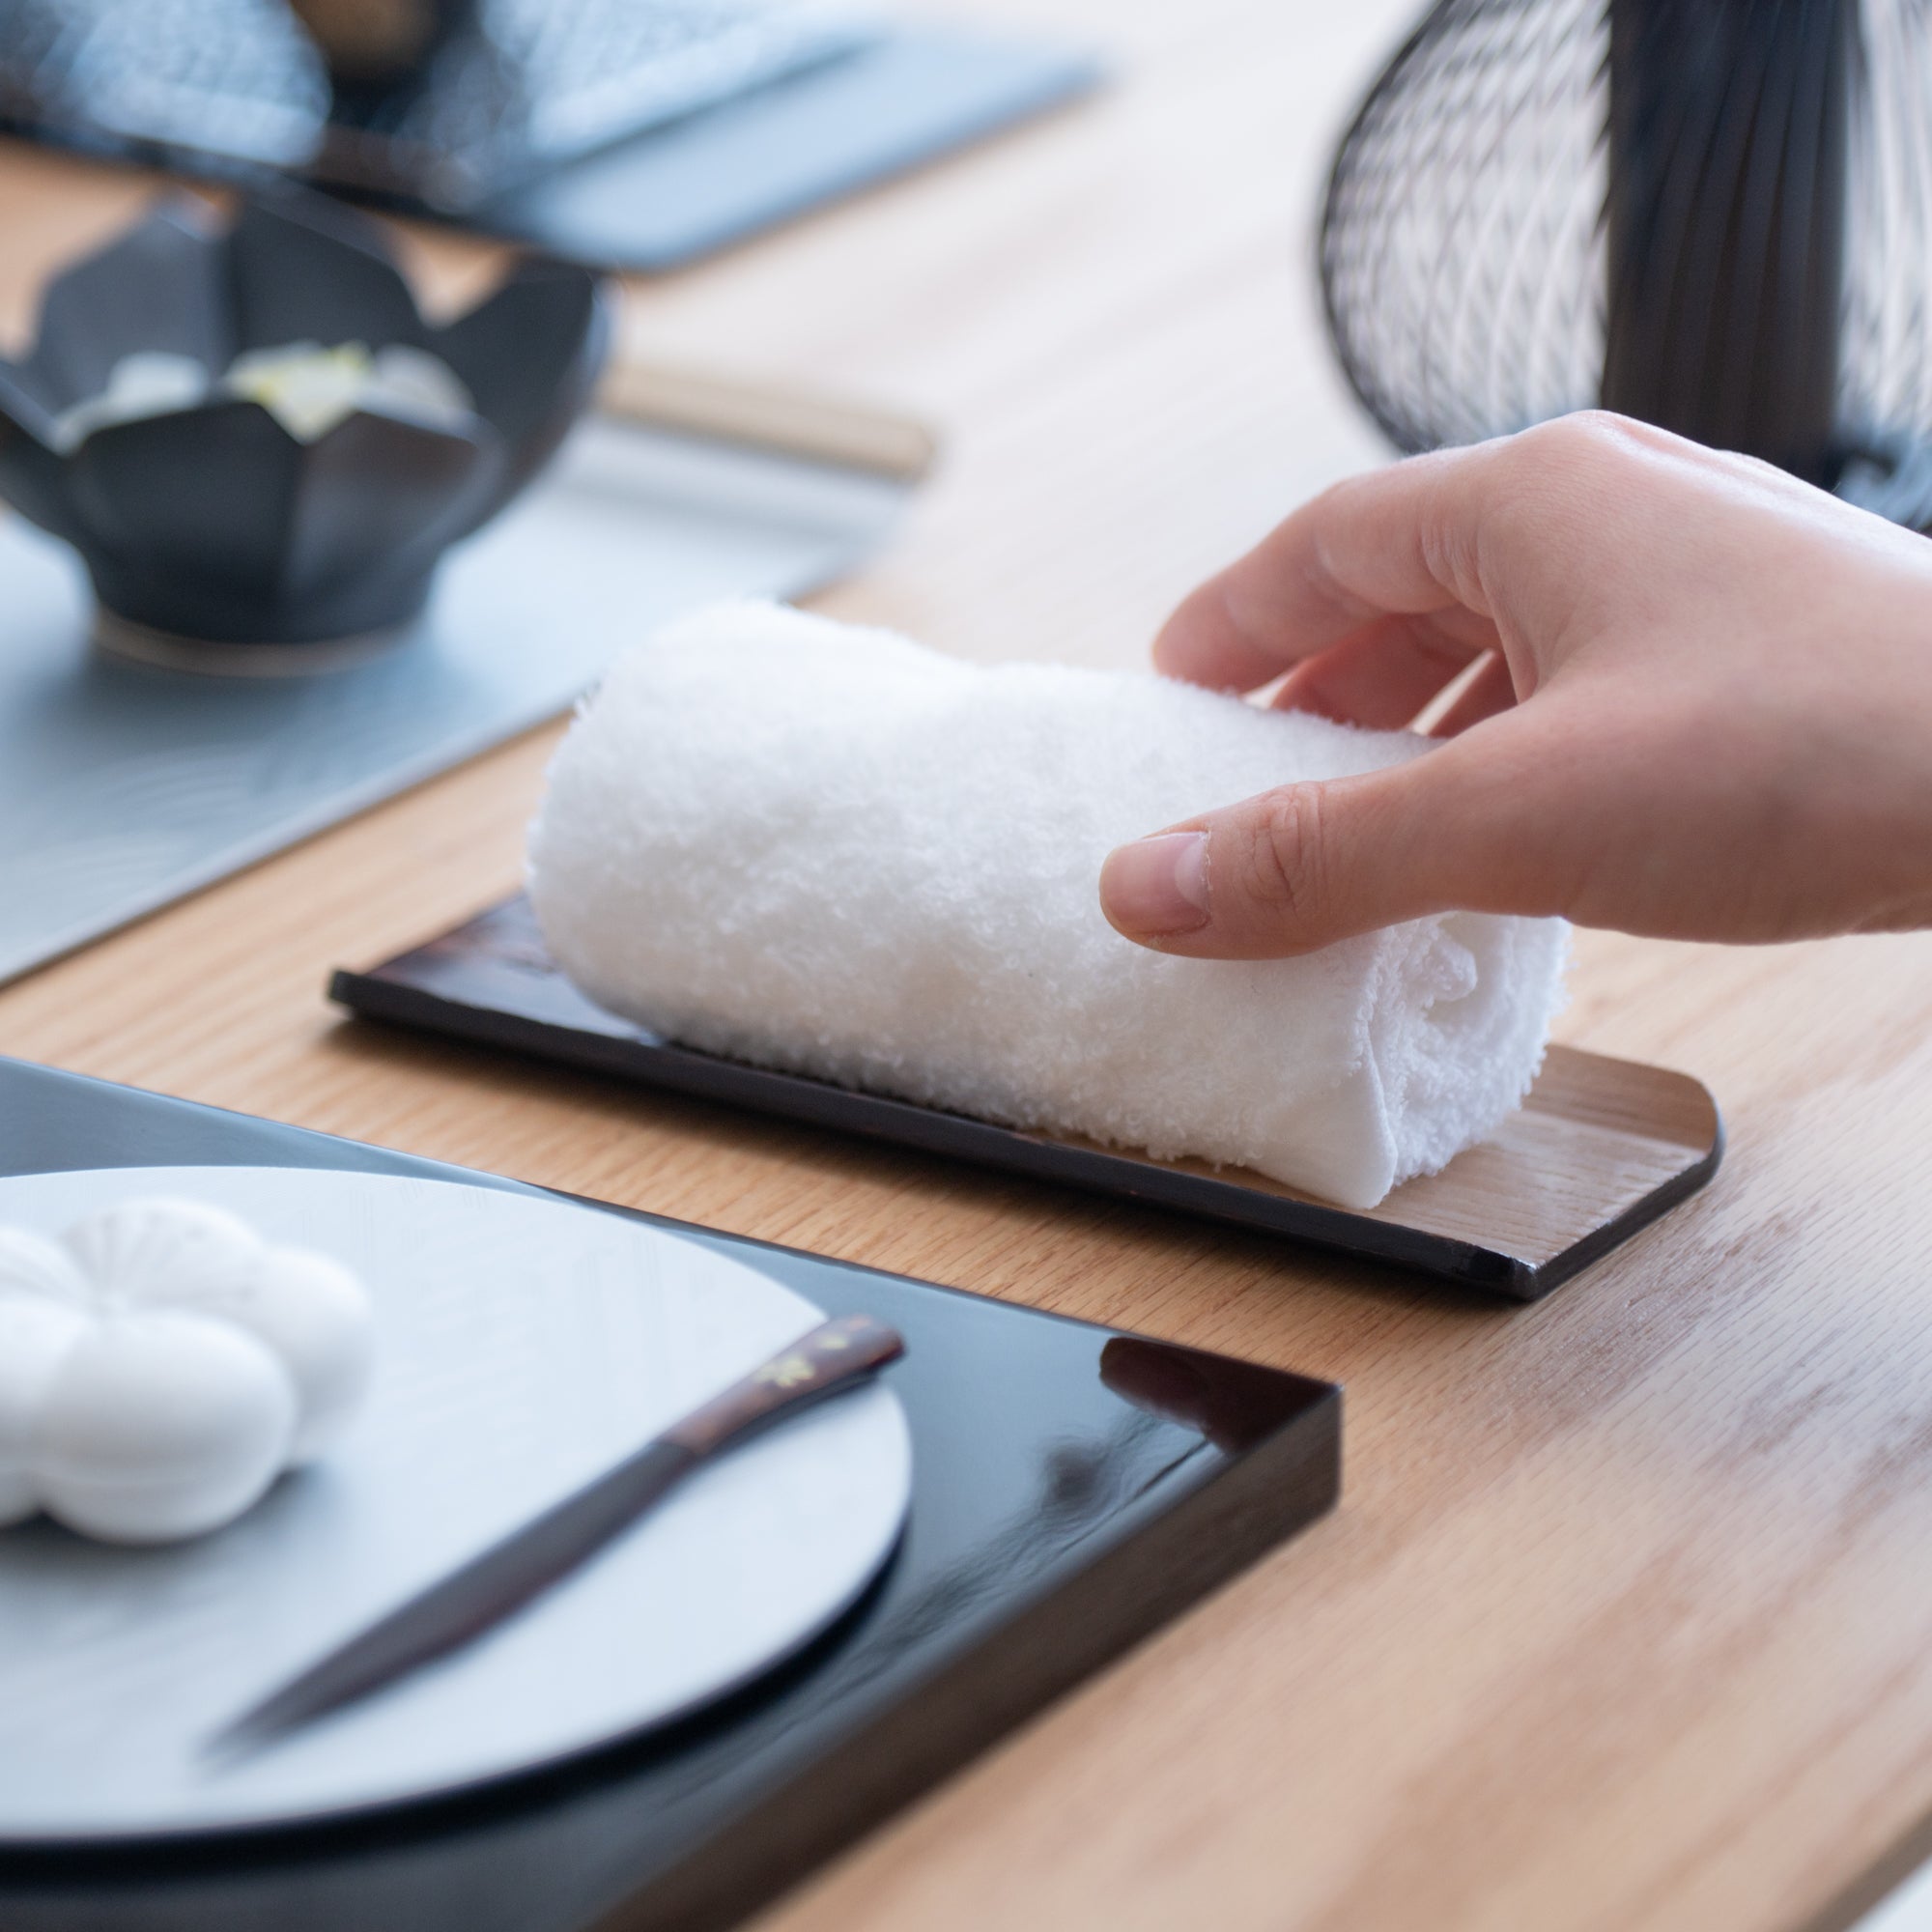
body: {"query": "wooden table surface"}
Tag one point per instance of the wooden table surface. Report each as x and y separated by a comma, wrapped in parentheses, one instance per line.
(1624, 1618)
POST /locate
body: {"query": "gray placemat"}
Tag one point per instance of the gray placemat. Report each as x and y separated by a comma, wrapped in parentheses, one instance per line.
(123, 787)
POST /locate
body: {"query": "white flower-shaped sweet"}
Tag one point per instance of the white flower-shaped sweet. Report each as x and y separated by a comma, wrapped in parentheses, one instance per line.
(160, 1366)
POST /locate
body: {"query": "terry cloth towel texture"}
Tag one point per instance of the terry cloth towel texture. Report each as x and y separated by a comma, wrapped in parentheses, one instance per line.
(831, 851)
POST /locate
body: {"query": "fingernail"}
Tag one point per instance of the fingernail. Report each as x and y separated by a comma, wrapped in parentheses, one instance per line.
(1157, 885)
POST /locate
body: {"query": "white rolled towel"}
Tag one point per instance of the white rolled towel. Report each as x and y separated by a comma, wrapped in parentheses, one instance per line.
(827, 850)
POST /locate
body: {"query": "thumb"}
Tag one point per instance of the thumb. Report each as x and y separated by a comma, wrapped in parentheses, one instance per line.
(1305, 864)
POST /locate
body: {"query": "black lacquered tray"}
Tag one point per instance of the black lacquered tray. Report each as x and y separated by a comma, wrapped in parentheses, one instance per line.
(1599, 1148)
(1073, 1489)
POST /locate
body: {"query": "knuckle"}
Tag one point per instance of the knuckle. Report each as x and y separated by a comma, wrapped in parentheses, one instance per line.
(1281, 862)
(1602, 429)
(1554, 481)
(1585, 439)
(1450, 554)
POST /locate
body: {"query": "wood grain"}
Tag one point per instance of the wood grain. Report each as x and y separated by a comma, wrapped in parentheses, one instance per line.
(1622, 1621)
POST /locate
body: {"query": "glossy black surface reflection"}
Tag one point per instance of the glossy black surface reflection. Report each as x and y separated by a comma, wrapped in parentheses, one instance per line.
(1073, 1489)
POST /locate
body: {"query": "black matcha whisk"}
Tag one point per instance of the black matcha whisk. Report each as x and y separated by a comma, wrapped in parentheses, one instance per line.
(1713, 214)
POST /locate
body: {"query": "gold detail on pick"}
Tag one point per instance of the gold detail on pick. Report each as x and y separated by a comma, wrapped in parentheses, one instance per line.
(787, 1372)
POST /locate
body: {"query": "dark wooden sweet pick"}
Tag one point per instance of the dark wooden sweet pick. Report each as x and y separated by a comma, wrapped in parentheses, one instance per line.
(504, 1579)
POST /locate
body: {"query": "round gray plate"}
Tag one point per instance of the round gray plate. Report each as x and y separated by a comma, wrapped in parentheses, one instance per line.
(524, 1346)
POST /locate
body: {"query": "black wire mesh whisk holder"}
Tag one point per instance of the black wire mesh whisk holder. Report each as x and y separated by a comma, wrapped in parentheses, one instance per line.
(1713, 214)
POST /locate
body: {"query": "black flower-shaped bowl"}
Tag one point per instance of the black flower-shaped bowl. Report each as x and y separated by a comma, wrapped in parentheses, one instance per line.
(217, 540)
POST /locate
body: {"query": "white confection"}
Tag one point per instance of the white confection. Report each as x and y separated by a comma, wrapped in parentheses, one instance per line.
(34, 1336)
(827, 850)
(412, 382)
(162, 1365)
(308, 388)
(148, 1251)
(162, 1425)
(150, 383)
(313, 1316)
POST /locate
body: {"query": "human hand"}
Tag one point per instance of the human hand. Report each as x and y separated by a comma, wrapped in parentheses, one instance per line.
(1707, 714)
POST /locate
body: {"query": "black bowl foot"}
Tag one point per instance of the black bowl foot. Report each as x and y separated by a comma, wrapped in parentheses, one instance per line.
(167, 650)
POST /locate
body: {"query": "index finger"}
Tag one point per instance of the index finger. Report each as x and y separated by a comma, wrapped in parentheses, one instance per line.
(1400, 541)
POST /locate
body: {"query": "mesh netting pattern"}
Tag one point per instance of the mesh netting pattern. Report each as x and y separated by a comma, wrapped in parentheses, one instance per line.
(1463, 242)
(1885, 381)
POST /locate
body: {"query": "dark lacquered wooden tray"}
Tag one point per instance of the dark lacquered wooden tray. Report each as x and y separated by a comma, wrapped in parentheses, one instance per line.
(1600, 1147)
(1072, 1489)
